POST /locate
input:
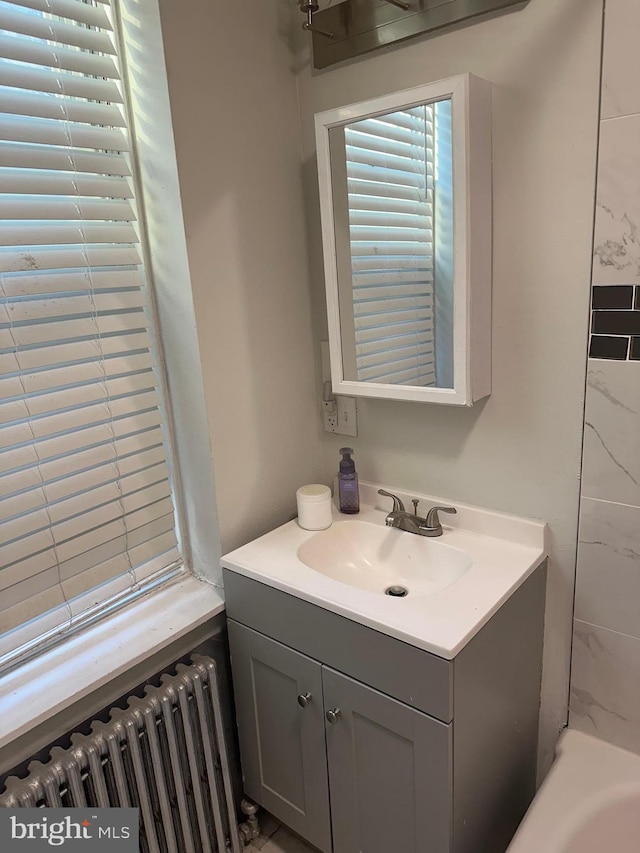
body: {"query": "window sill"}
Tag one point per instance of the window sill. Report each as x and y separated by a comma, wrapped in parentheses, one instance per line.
(53, 681)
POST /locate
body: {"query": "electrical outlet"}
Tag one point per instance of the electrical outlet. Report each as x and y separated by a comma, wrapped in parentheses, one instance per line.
(330, 416)
(340, 416)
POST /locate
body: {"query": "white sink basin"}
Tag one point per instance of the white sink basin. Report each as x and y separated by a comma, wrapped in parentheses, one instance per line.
(383, 560)
(454, 582)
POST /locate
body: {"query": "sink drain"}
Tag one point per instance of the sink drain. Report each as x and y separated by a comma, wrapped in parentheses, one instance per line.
(396, 591)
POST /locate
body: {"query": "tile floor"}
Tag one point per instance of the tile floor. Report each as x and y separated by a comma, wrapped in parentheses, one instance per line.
(275, 838)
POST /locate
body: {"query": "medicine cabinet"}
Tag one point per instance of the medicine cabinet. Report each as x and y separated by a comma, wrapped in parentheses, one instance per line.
(405, 198)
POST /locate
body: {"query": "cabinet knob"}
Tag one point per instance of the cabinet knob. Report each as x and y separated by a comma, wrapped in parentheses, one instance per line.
(304, 699)
(332, 716)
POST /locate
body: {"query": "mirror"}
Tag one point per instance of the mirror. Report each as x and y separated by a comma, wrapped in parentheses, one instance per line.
(405, 191)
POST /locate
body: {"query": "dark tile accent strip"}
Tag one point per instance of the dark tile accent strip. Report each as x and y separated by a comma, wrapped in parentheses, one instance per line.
(637, 302)
(635, 349)
(613, 296)
(616, 322)
(604, 346)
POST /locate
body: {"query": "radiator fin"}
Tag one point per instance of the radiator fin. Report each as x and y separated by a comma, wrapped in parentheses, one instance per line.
(164, 754)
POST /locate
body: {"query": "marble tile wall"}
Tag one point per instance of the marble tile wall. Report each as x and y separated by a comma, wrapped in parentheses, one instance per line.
(605, 680)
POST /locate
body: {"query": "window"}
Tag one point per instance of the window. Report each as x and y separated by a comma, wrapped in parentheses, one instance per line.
(87, 516)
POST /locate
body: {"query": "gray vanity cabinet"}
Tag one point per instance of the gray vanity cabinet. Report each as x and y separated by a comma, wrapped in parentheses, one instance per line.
(363, 743)
(386, 765)
(281, 724)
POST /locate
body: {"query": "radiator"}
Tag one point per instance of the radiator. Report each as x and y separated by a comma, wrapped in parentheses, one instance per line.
(165, 754)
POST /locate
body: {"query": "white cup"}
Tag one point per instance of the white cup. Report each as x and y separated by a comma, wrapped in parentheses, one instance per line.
(314, 507)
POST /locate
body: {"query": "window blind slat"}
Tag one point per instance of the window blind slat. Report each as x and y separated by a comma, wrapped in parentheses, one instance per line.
(398, 339)
(31, 587)
(369, 264)
(48, 131)
(400, 248)
(405, 372)
(45, 307)
(95, 390)
(60, 378)
(57, 82)
(144, 555)
(52, 56)
(85, 592)
(28, 630)
(46, 234)
(391, 219)
(17, 20)
(381, 321)
(392, 193)
(382, 235)
(107, 494)
(386, 309)
(381, 277)
(72, 10)
(16, 551)
(404, 147)
(64, 423)
(402, 169)
(79, 351)
(76, 485)
(15, 207)
(361, 171)
(90, 434)
(373, 132)
(65, 159)
(396, 290)
(26, 181)
(126, 452)
(21, 614)
(112, 552)
(418, 353)
(39, 105)
(412, 118)
(67, 258)
(20, 458)
(361, 204)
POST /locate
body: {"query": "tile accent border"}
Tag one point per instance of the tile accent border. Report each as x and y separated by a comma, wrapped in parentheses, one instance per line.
(615, 322)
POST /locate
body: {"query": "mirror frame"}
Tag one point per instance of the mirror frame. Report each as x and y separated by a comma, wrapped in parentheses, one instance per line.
(471, 131)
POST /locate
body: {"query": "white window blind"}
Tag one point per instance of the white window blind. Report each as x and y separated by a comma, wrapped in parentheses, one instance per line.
(390, 166)
(86, 508)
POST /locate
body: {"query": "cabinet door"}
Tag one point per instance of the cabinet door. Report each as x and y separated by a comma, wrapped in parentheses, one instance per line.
(389, 772)
(282, 743)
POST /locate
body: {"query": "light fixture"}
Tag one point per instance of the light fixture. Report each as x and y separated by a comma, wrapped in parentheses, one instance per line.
(308, 8)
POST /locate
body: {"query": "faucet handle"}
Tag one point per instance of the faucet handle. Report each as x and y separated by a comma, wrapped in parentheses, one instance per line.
(432, 521)
(398, 506)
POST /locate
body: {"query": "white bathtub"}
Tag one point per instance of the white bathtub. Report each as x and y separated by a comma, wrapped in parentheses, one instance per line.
(588, 803)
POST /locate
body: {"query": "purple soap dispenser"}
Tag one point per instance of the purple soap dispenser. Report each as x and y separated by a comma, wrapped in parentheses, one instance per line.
(348, 483)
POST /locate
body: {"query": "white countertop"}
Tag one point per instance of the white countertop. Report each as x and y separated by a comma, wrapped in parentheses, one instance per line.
(505, 550)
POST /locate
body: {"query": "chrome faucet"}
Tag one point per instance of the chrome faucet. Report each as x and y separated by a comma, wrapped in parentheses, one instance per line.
(411, 522)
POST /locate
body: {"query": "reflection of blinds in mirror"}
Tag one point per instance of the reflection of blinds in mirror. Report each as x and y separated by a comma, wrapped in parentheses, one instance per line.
(390, 186)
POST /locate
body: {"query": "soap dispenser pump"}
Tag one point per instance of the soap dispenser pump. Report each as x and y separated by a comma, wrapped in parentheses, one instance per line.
(348, 483)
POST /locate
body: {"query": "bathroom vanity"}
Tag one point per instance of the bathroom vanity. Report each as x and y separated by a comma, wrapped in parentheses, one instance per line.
(363, 724)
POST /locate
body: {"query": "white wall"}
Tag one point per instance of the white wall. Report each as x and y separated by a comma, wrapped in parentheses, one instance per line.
(519, 450)
(234, 108)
